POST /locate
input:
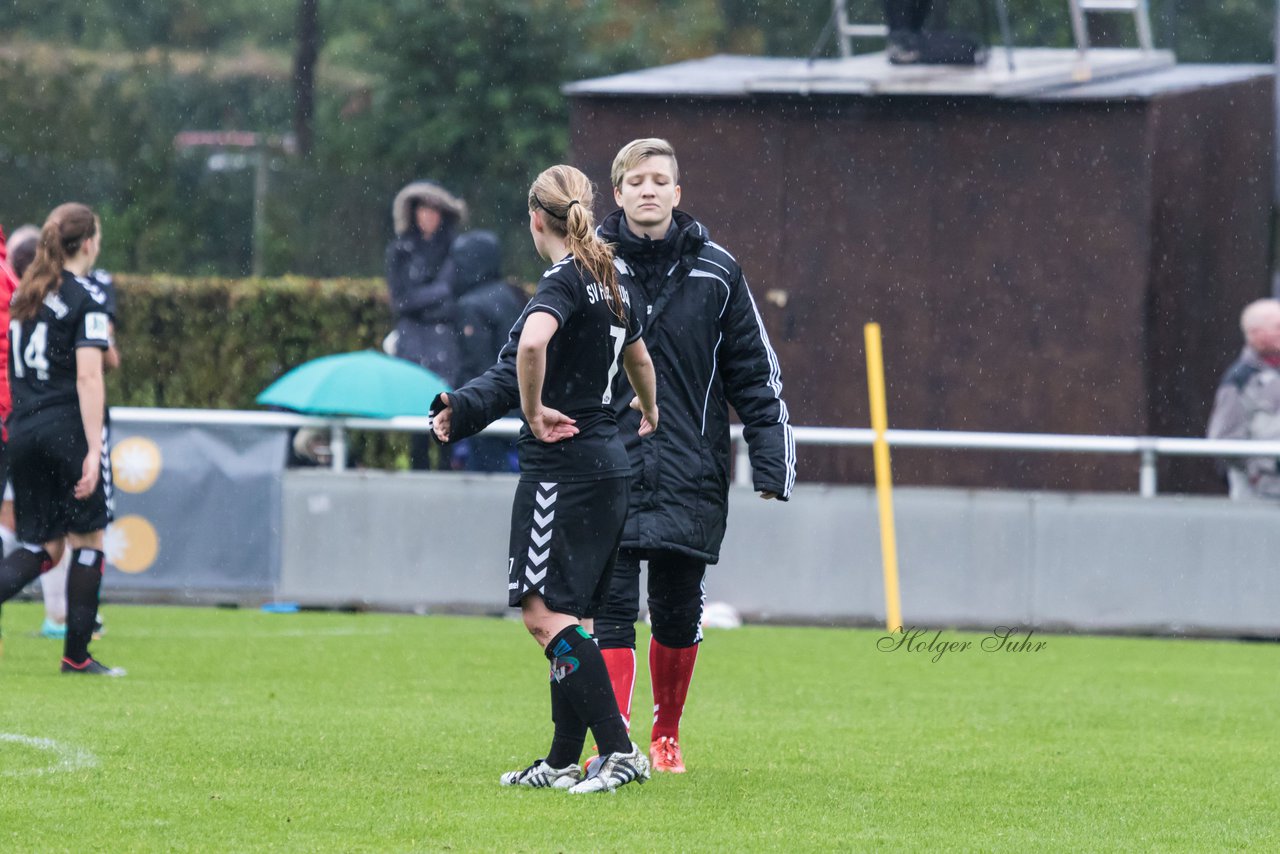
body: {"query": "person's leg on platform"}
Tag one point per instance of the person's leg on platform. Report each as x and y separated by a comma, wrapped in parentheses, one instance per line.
(919, 14)
(903, 44)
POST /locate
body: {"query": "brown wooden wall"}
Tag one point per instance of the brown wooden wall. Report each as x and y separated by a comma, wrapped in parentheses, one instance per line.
(1036, 266)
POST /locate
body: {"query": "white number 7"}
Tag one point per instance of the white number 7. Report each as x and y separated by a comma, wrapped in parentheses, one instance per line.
(619, 335)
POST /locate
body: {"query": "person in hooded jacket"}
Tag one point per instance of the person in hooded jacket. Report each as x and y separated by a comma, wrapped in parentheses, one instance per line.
(419, 276)
(710, 351)
(488, 306)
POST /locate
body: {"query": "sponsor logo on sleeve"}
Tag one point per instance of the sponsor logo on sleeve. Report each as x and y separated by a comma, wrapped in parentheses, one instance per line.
(96, 326)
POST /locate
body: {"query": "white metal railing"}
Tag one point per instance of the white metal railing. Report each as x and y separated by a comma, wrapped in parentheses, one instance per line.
(1148, 449)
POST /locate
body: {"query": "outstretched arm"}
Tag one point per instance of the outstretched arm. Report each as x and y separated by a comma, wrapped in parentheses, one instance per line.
(477, 404)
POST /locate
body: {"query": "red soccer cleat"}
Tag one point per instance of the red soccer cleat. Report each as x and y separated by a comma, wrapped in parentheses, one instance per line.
(664, 755)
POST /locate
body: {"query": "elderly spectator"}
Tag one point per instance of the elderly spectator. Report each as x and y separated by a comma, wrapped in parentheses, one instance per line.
(1247, 405)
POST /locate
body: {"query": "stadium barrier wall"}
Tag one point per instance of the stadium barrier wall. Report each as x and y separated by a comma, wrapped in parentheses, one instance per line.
(437, 542)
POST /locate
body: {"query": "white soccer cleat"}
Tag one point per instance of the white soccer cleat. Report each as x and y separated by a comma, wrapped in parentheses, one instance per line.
(614, 770)
(540, 775)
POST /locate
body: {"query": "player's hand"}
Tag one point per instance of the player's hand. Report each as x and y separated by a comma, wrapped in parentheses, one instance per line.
(648, 420)
(89, 470)
(442, 420)
(550, 425)
(766, 495)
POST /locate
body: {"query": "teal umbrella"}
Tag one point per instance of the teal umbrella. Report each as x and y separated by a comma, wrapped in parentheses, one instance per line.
(368, 384)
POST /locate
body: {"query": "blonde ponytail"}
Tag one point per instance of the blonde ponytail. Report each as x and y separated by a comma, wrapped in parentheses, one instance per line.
(566, 195)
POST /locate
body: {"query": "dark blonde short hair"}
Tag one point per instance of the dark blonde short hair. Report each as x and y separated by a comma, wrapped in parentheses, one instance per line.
(638, 149)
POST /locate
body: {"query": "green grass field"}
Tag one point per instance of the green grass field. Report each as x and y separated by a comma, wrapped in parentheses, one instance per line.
(245, 731)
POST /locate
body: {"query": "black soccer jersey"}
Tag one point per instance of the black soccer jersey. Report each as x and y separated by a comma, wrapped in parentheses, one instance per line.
(584, 359)
(42, 351)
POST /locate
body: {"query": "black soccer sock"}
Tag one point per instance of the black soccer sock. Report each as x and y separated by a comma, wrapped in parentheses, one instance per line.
(577, 665)
(84, 581)
(570, 732)
(19, 569)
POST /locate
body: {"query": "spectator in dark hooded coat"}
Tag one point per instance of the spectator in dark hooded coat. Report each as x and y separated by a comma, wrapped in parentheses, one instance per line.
(419, 276)
(488, 306)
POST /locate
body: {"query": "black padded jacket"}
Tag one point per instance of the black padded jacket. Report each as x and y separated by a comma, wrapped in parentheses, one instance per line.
(710, 351)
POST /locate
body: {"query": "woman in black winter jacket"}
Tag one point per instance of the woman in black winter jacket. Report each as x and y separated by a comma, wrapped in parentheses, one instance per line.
(420, 277)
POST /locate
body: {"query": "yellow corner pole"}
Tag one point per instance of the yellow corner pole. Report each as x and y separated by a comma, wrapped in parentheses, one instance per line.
(884, 478)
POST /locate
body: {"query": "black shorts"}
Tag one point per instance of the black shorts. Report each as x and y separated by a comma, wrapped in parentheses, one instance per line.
(45, 457)
(564, 538)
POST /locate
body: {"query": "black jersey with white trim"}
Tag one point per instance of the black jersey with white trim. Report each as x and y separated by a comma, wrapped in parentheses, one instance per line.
(584, 359)
(42, 350)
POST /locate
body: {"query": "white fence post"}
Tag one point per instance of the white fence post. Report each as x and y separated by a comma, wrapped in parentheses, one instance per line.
(1148, 474)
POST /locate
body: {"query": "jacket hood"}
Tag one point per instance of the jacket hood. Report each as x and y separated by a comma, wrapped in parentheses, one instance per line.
(425, 192)
(477, 260)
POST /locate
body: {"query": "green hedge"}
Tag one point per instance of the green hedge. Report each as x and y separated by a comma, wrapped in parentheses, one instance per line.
(216, 343)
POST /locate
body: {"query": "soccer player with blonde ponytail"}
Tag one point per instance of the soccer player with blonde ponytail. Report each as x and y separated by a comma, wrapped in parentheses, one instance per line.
(575, 476)
(710, 352)
(565, 196)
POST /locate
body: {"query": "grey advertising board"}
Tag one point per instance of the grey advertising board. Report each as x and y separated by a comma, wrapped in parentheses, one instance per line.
(196, 508)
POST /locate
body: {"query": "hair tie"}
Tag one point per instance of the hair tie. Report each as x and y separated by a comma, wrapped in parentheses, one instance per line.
(537, 201)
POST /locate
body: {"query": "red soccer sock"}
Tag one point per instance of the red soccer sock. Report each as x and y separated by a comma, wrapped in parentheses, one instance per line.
(621, 664)
(671, 670)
